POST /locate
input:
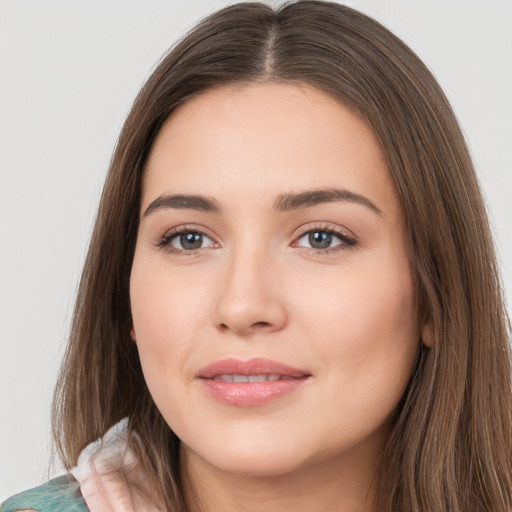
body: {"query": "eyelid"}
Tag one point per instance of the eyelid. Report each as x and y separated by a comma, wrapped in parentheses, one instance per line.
(347, 237)
(324, 226)
(164, 241)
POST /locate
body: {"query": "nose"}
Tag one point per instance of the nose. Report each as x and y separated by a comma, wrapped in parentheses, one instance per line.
(250, 299)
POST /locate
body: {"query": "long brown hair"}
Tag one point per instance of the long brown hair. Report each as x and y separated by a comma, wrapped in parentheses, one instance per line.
(450, 449)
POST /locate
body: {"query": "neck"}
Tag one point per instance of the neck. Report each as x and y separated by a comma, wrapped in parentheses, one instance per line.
(327, 486)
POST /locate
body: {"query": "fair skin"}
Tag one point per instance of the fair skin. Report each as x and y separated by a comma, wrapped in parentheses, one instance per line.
(323, 285)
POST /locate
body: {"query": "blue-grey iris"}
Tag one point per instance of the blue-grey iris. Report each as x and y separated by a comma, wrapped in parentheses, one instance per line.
(320, 239)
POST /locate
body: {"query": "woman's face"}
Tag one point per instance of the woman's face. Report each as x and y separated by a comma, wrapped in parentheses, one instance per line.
(271, 292)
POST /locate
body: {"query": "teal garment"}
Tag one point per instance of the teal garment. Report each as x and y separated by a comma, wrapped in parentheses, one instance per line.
(61, 494)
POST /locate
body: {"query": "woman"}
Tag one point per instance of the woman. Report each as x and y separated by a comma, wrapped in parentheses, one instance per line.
(290, 292)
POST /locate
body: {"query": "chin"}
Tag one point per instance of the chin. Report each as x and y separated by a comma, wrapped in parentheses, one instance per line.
(259, 467)
(256, 459)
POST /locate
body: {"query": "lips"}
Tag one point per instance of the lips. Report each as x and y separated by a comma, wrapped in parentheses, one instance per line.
(250, 383)
(250, 378)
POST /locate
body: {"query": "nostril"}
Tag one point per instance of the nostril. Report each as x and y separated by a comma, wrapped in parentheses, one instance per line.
(251, 327)
(260, 324)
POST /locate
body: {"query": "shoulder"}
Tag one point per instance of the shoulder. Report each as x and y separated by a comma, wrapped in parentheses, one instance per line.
(61, 494)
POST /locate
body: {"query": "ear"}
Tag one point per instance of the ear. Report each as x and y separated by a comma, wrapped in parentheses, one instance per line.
(133, 336)
(427, 334)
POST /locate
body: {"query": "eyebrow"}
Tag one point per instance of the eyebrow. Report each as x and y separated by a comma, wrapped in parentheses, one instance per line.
(285, 202)
(299, 200)
(184, 202)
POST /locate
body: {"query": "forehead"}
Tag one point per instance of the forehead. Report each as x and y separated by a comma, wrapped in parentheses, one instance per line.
(262, 139)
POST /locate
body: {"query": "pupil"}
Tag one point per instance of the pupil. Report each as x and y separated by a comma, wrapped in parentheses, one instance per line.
(320, 239)
(191, 241)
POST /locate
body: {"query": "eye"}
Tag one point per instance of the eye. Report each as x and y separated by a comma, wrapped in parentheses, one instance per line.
(185, 241)
(190, 241)
(324, 240)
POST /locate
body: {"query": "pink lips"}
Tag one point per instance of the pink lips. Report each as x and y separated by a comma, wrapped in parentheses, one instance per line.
(250, 383)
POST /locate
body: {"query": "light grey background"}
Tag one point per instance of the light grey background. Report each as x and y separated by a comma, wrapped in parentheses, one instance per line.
(69, 71)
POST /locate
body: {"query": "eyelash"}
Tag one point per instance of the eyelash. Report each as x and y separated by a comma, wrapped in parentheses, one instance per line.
(165, 241)
(346, 242)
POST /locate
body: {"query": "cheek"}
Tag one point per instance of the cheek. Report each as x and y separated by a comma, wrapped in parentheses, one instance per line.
(356, 300)
(166, 313)
(364, 327)
(166, 305)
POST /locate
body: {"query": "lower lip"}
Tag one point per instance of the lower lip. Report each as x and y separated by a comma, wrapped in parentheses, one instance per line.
(250, 394)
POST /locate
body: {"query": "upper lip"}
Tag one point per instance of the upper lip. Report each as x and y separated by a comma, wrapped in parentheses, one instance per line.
(256, 366)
